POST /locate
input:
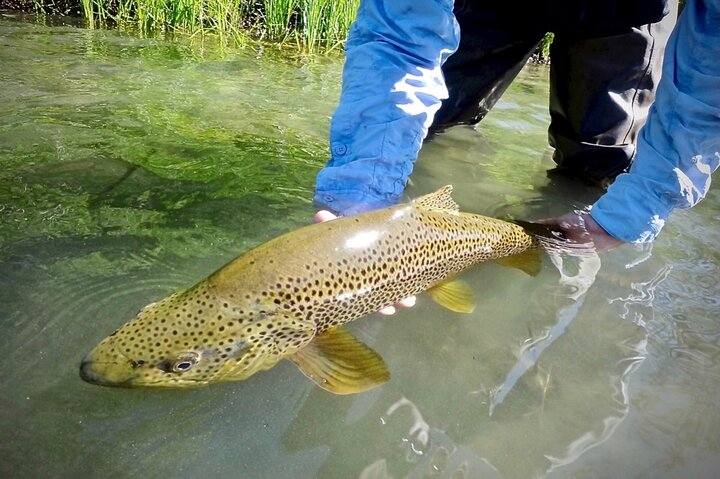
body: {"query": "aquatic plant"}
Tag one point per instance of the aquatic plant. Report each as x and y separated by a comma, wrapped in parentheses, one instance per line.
(543, 50)
(312, 25)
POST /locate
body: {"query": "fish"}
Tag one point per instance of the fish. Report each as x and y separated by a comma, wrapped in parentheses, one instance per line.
(289, 298)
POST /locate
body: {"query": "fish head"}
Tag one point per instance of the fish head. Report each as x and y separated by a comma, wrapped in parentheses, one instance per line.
(214, 342)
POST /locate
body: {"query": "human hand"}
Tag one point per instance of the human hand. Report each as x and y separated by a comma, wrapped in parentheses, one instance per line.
(323, 216)
(580, 228)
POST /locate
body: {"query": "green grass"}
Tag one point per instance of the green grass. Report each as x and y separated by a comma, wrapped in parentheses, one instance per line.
(544, 47)
(311, 25)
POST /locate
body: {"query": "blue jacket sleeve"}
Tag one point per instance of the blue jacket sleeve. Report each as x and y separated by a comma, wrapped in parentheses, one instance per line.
(679, 147)
(392, 88)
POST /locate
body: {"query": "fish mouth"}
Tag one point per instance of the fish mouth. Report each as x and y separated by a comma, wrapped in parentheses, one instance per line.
(106, 365)
(92, 372)
(119, 375)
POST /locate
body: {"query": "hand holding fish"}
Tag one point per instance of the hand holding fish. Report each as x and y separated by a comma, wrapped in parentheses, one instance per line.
(579, 227)
(325, 215)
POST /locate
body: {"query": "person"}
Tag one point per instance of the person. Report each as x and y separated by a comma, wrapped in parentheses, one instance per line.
(400, 68)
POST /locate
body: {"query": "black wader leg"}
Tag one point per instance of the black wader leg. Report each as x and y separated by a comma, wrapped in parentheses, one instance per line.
(493, 49)
(600, 93)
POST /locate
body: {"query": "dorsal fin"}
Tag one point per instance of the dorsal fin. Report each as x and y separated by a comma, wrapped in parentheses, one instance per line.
(439, 200)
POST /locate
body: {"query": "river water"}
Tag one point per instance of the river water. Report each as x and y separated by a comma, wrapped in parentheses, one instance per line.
(131, 167)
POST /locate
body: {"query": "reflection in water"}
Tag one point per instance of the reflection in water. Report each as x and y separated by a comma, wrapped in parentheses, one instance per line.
(587, 265)
(418, 436)
(642, 293)
(430, 452)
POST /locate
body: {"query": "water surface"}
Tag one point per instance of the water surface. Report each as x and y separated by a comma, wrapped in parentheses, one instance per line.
(132, 167)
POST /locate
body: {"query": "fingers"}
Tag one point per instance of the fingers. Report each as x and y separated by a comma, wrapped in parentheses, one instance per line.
(387, 311)
(323, 216)
(408, 302)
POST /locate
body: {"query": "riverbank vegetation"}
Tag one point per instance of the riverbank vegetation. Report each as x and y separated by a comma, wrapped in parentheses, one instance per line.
(310, 25)
(307, 25)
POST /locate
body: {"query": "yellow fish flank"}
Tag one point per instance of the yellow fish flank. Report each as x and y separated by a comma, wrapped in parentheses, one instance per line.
(289, 297)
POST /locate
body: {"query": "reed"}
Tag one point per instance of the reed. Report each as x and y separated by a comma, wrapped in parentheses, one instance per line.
(312, 25)
(279, 18)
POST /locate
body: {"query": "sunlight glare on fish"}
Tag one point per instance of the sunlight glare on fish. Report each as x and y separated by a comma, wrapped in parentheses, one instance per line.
(353, 294)
(398, 214)
(362, 239)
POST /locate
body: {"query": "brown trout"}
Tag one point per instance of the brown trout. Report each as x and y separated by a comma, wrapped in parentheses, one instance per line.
(289, 297)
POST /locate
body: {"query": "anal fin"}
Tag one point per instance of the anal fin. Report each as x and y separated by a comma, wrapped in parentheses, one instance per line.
(455, 295)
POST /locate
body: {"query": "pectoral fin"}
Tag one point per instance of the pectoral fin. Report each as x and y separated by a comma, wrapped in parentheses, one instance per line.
(528, 261)
(338, 362)
(455, 295)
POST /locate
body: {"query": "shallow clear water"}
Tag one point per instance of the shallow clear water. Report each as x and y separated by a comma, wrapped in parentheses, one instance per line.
(132, 167)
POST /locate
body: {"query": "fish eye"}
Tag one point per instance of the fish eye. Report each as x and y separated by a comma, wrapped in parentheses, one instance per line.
(182, 366)
(184, 362)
